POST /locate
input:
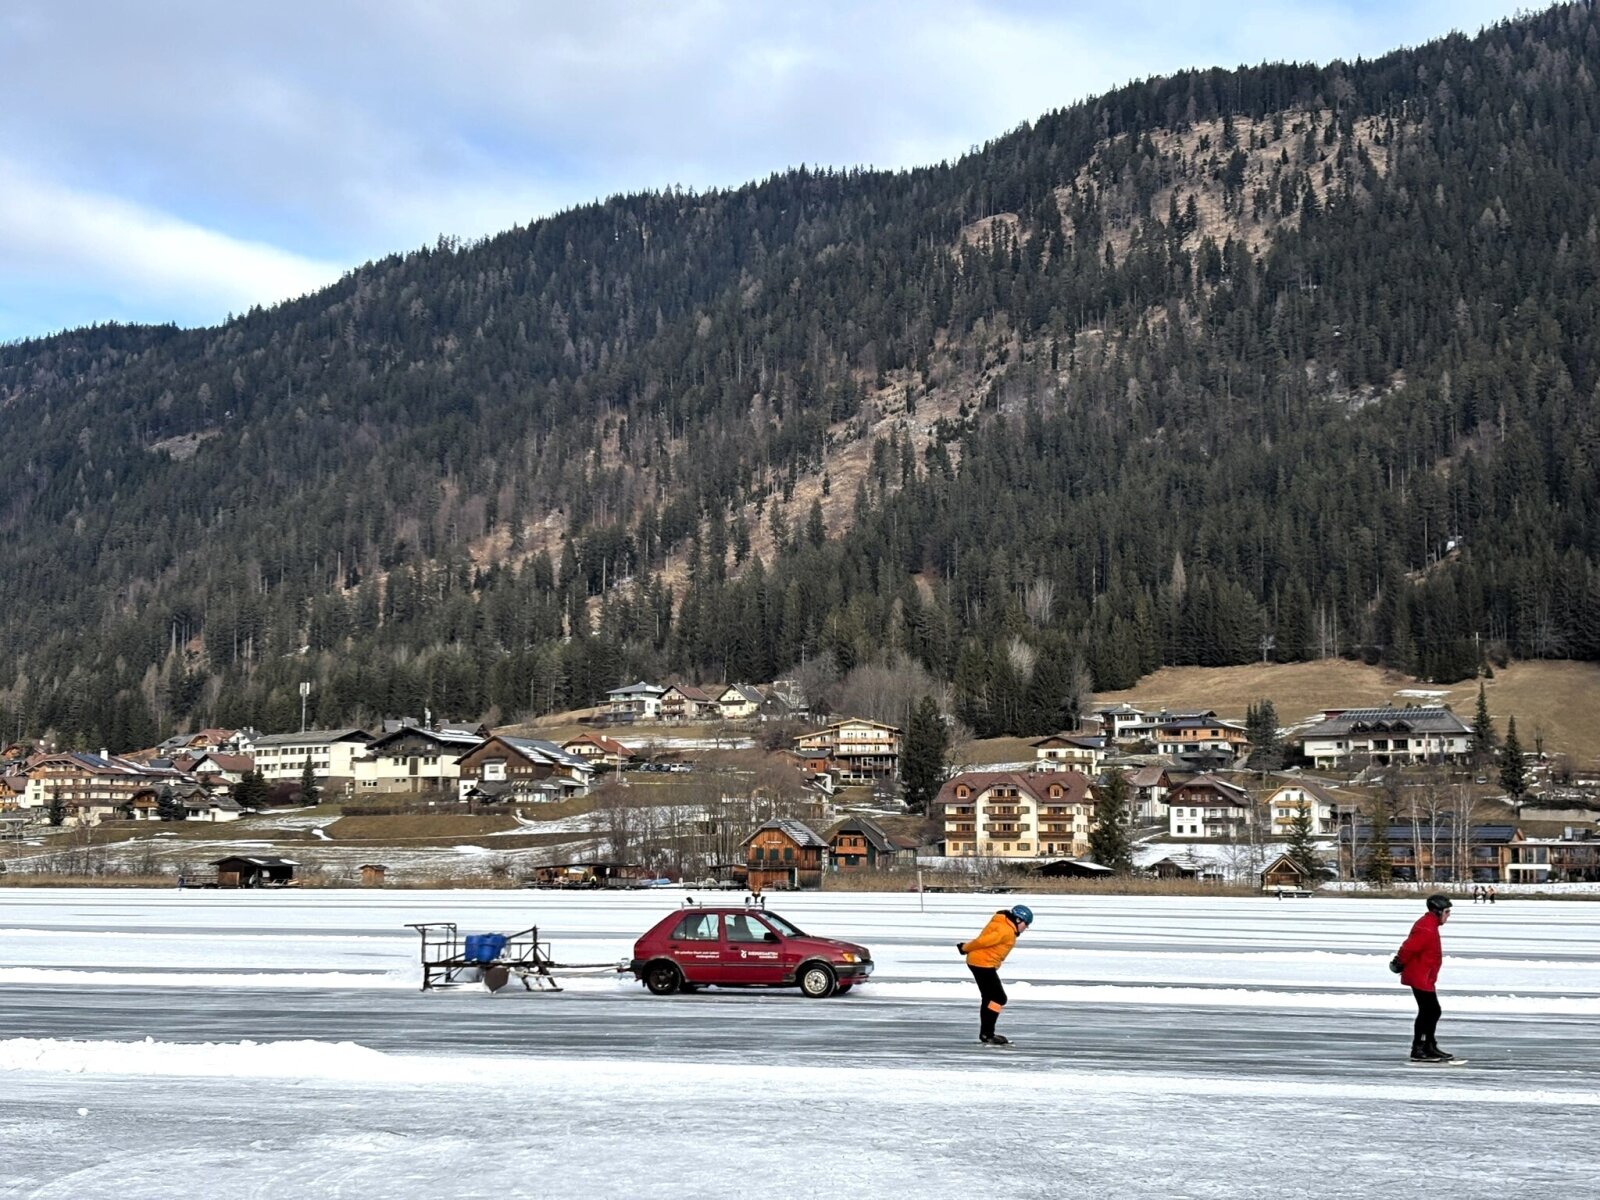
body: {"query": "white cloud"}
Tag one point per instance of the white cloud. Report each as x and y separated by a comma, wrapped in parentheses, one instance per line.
(48, 231)
(235, 149)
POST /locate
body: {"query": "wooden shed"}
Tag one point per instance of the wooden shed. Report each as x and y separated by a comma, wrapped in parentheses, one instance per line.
(241, 871)
(1287, 875)
(1074, 868)
(372, 874)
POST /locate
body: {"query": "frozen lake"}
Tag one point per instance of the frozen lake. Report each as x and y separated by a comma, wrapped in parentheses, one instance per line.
(155, 1043)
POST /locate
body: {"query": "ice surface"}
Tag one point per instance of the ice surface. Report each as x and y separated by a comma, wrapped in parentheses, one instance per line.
(274, 1043)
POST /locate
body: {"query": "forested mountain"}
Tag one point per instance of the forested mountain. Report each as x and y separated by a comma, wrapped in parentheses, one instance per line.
(1290, 352)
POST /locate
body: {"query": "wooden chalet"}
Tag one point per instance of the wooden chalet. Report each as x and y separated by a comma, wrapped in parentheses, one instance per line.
(858, 843)
(1286, 874)
(785, 854)
(524, 763)
(686, 702)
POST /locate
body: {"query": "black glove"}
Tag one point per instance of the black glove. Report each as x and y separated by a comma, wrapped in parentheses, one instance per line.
(961, 947)
(1396, 965)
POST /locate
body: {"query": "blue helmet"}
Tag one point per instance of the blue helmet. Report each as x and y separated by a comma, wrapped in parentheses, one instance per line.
(1021, 913)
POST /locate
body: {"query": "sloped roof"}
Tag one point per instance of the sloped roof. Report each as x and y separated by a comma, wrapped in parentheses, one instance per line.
(1147, 777)
(226, 762)
(637, 689)
(1225, 791)
(1035, 783)
(875, 834)
(797, 832)
(260, 862)
(457, 739)
(1401, 832)
(609, 745)
(1088, 741)
(1433, 719)
(540, 750)
(689, 692)
(312, 737)
(1315, 790)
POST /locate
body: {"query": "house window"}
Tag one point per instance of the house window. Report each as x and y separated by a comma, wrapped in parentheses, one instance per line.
(788, 854)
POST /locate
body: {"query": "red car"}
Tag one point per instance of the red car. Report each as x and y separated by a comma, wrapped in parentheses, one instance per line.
(744, 947)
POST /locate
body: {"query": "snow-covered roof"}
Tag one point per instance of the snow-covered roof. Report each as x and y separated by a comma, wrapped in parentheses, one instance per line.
(312, 737)
(797, 832)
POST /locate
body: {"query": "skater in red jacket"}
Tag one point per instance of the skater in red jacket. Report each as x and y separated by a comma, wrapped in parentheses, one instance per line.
(1420, 958)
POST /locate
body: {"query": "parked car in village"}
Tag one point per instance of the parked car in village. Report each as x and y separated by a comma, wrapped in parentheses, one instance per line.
(738, 946)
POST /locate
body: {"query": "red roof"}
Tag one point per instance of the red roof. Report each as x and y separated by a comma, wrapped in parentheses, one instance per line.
(1035, 783)
(609, 745)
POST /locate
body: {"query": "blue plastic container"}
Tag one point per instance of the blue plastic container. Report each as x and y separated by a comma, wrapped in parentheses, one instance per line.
(484, 947)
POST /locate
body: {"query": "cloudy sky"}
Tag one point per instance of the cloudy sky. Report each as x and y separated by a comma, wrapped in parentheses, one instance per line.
(178, 160)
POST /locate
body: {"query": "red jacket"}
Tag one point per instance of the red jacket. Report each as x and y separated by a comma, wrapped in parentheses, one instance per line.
(1421, 955)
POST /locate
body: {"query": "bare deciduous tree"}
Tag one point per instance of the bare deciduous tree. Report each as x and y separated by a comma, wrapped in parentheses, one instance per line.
(1039, 601)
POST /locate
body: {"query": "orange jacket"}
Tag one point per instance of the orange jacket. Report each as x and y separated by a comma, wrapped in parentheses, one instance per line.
(989, 948)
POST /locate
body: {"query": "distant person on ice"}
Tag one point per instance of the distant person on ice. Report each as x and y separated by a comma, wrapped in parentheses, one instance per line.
(1420, 957)
(984, 954)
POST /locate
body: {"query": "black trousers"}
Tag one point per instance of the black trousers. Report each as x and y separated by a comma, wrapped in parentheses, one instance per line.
(992, 998)
(1427, 1017)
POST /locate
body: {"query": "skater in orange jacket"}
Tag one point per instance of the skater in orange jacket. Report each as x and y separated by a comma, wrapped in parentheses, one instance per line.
(984, 954)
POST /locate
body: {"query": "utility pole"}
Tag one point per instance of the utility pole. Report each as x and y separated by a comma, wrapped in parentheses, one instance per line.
(305, 692)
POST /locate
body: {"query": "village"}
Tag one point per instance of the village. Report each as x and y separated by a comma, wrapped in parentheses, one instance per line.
(740, 786)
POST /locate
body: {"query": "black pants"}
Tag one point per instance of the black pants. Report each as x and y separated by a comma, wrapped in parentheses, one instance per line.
(993, 998)
(1427, 1017)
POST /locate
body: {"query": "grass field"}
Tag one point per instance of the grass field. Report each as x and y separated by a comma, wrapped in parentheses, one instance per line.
(1558, 699)
(442, 827)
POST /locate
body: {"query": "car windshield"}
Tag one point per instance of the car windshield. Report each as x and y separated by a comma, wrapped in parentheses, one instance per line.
(783, 926)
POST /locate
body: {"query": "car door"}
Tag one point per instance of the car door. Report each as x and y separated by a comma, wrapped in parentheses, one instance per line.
(752, 954)
(696, 946)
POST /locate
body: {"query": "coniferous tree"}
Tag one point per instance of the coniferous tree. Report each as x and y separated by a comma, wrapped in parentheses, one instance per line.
(168, 808)
(1379, 866)
(1261, 728)
(1302, 850)
(1109, 842)
(630, 373)
(252, 791)
(1513, 771)
(1483, 738)
(310, 789)
(924, 762)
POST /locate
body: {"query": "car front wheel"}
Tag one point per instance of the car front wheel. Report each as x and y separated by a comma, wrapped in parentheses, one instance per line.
(662, 978)
(817, 980)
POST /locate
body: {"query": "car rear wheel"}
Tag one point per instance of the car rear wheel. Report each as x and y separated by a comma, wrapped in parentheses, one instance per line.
(817, 980)
(662, 978)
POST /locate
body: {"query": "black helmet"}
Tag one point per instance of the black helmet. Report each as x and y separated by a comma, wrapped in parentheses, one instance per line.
(1438, 903)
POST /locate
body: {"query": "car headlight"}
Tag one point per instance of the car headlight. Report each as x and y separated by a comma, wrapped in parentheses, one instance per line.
(850, 958)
